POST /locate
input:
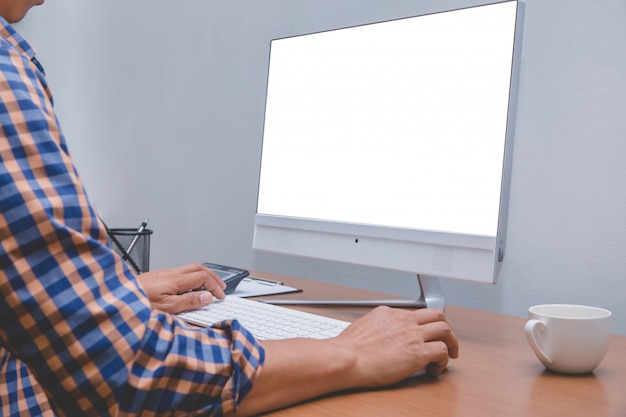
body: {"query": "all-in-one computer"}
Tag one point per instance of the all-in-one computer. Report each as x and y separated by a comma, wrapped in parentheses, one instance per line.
(389, 144)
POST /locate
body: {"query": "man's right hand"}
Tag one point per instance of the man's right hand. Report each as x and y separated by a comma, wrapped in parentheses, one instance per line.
(383, 347)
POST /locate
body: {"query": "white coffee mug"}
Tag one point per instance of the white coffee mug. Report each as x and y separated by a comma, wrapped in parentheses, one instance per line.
(568, 338)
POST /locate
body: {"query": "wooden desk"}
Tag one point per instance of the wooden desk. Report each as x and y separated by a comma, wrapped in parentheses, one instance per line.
(496, 374)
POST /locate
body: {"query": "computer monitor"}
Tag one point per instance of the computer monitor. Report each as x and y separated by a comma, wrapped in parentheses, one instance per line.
(389, 145)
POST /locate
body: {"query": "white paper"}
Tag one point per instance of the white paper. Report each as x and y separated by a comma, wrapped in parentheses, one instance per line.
(251, 287)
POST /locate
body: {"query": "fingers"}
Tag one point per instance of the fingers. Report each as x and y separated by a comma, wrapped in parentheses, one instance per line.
(438, 352)
(439, 343)
(435, 327)
(197, 285)
(199, 268)
(196, 277)
(429, 315)
(436, 347)
(182, 288)
(193, 300)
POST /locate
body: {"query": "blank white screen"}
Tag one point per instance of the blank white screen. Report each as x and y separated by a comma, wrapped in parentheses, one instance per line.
(397, 124)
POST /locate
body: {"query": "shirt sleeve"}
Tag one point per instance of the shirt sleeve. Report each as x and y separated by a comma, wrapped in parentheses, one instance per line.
(70, 308)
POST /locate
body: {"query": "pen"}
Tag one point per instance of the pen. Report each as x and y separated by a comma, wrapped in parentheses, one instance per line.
(134, 241)
(121, 248)
(267, 281)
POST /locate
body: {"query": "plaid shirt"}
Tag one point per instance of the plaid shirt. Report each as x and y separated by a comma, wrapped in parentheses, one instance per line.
(77, 334)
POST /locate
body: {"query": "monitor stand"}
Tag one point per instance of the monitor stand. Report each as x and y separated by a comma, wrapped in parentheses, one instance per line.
(430, 296)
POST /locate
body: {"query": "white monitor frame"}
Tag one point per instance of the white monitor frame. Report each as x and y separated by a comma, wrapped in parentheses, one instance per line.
(454, 252)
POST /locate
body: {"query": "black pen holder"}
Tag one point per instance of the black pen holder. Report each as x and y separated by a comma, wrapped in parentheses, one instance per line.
(133, 246)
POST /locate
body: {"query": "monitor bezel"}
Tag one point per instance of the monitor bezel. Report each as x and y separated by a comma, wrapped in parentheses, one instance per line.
(475, 258)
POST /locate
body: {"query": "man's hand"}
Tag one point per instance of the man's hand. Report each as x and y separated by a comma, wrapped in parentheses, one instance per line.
(381, 348)
(184, 288)
(411, 339)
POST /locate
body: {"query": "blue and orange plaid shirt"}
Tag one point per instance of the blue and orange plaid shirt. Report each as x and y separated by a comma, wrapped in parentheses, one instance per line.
(77, 334)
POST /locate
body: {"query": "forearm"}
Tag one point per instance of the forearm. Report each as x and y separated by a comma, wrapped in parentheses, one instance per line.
(299, 369)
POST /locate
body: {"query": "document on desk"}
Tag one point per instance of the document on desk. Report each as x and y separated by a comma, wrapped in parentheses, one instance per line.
(254, 287)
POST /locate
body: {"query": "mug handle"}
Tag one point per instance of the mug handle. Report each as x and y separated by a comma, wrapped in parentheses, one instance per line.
(531, 327)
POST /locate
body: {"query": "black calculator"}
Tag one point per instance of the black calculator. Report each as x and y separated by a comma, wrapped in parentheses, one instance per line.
(230, 275)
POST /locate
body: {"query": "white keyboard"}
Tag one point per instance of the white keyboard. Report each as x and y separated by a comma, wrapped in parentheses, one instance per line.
(266, 321)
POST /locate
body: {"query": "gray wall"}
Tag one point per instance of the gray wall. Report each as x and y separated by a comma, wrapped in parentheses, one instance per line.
(162, 103)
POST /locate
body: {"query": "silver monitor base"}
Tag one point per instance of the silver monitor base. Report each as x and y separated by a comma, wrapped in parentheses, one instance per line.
(431, 296)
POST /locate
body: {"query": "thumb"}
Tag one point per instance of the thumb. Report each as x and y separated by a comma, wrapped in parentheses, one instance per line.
(191, 300)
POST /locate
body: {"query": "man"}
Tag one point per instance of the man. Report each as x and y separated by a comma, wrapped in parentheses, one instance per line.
(81, 335)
